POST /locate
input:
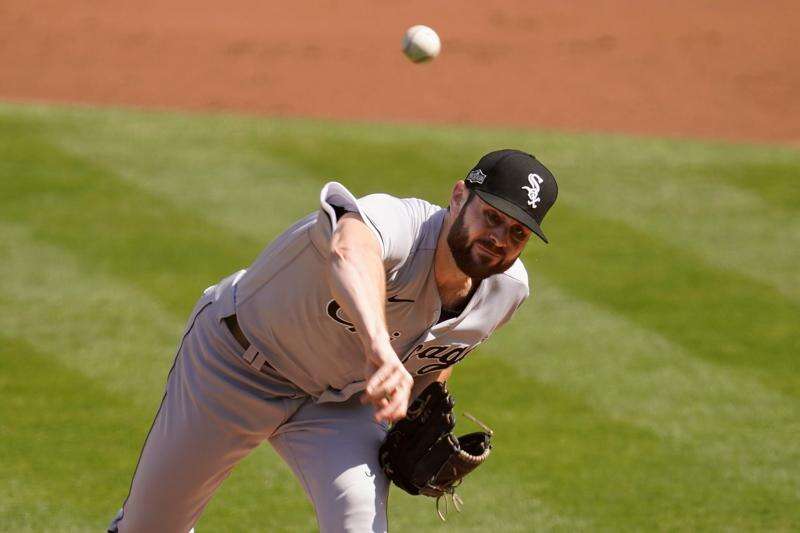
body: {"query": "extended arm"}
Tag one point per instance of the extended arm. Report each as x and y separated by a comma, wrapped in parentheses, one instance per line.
(358, 283)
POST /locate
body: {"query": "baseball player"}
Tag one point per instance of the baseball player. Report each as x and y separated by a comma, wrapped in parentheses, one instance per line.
(327, 336)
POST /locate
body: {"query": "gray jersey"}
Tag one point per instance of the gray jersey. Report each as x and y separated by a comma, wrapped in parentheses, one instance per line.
(285, 308)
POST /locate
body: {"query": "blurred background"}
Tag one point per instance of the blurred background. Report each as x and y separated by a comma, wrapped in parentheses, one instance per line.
(652, 382)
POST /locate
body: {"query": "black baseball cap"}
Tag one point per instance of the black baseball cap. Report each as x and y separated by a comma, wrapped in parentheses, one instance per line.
(517, 184)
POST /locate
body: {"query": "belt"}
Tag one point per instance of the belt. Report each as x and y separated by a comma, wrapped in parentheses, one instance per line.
(250, 355)
(236, 331)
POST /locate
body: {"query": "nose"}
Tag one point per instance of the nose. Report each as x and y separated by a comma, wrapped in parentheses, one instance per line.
(498, 236)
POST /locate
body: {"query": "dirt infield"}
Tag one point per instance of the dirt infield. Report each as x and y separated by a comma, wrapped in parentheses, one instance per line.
(704, 69)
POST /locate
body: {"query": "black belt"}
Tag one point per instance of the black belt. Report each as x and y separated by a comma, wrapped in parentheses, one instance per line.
(236, 331)
(251, 356)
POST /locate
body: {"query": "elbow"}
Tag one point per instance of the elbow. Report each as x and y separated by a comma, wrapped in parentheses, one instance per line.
(340, 254)
(344, 260)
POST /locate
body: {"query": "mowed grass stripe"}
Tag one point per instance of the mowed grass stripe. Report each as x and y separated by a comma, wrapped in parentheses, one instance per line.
(104, 328)
(261, 494)
(734, 207)
(224, 172)
(717, 315)
(112, 227)
(67, 443)
(70, 446)
(634, 376)
(600, 472)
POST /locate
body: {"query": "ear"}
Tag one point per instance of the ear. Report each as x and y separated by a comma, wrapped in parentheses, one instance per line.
(459, 196)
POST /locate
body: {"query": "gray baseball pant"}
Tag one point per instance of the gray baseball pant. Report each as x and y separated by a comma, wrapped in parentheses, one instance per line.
(217, 409)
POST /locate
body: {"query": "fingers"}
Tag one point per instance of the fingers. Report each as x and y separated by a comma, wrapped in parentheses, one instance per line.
(380, 404)
(375, 382)
(394, 410)
(384, 380)
(387, 385)
(389, 389)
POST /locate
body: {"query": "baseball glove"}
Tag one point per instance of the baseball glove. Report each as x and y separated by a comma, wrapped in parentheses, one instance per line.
(422, 456)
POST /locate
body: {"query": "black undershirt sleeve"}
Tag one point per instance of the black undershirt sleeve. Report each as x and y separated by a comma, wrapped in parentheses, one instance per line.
(339, 210)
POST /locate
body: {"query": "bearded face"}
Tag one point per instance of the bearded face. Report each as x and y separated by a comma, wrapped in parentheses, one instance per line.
(484, 241)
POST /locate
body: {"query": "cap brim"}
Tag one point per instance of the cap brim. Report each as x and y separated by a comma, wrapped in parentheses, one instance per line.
(512, 210)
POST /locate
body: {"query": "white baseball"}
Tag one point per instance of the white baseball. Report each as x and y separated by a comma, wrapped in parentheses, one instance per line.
(420, 43)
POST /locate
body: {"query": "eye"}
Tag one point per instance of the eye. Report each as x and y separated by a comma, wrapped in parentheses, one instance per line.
(492, 217)
(518, 233)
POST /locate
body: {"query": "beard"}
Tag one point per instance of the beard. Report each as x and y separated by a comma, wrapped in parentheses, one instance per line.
(479, 266)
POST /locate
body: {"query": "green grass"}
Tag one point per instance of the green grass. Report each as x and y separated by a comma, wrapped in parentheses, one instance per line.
(651, 383)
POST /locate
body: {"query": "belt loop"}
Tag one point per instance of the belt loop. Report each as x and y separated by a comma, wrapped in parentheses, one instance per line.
(258, 362)
(250, 354)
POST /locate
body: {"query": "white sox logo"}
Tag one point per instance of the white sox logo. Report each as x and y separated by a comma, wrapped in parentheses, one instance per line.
(533, 190)
(444, 354)
(334, 311)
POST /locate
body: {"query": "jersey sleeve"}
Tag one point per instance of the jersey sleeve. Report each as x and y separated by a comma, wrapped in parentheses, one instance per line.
(522, 295)
(395, 223)
(516, 285)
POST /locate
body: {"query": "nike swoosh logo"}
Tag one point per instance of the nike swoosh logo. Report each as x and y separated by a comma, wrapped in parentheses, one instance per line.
(395, 300)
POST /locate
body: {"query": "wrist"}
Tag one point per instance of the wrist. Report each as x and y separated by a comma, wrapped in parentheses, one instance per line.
(379, 346)
(378, 343)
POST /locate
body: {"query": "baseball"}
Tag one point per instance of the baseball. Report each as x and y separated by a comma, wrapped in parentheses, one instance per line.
(420, 43)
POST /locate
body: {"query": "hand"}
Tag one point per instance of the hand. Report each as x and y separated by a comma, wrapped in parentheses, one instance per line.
(388, 384)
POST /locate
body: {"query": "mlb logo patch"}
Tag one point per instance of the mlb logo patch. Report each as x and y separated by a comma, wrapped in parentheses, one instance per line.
(476, 176)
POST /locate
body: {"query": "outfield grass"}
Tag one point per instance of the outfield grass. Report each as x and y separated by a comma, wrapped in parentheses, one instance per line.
(652, 382)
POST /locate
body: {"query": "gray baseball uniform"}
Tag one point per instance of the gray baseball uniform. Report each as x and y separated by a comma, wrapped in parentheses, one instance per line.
(296, 384)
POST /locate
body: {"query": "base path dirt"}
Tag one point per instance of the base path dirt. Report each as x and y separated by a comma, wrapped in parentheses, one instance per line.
(680, 68)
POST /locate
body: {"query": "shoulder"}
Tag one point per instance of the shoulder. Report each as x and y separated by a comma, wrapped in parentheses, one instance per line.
(337, 194)
(399, 224)
(415, 208)
(409, 221)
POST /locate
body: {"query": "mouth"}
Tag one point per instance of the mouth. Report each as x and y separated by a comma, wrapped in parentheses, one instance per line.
(487, 250)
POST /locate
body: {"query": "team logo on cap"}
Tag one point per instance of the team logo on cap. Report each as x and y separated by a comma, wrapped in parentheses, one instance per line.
(476, 176)
(533, 190)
